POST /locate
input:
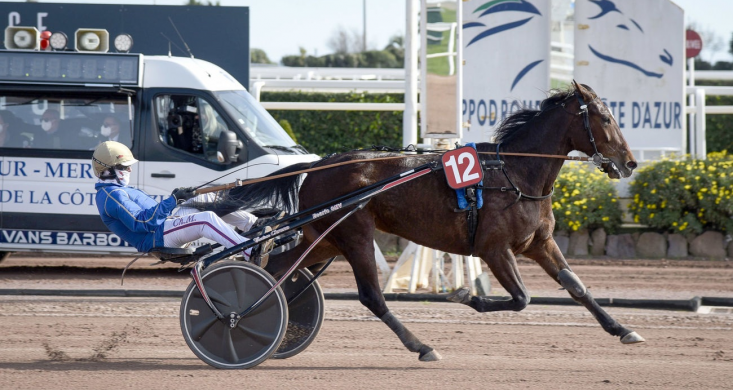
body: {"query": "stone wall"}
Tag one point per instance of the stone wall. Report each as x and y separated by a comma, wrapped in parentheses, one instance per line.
(646, 245)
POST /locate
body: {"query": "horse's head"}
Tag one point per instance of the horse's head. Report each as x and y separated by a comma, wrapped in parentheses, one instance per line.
(597, 134)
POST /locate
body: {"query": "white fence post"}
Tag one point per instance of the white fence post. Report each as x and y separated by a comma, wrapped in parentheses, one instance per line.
(701, 152)
(409, 116)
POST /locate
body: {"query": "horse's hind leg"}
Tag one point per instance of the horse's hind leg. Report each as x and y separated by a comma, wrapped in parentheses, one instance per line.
(548, 256)
(504, 267)
(359, 252)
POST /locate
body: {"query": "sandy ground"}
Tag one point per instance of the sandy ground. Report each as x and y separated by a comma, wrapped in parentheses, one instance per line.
(93, 343)
(641, 279)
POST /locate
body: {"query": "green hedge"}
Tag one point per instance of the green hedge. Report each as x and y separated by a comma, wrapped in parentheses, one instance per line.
(324, 132)
(685, 196)
(585, 198)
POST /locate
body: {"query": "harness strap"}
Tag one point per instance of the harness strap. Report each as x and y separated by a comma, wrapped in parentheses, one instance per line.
(514, 188)
(597, 158)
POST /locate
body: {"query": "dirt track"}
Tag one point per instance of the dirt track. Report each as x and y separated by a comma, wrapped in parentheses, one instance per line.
(74, 343)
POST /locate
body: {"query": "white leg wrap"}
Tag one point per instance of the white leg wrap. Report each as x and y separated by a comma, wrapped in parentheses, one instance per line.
(572, 283)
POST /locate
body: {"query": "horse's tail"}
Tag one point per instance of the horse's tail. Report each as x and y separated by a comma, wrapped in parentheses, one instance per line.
(279, 193)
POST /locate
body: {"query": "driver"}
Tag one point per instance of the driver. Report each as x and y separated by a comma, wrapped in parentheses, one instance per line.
(145, 224)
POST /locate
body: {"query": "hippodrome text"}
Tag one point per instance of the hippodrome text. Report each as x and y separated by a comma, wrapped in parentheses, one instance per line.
(635, 115)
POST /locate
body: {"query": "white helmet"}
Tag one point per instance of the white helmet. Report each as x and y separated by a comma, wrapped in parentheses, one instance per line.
(110, 154)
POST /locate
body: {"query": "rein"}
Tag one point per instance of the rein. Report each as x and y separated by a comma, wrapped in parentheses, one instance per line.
(597, 159)
(267, 178)
(239, 182)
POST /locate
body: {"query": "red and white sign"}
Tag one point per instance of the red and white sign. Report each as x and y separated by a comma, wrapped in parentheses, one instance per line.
(693, 44)
(462, 167)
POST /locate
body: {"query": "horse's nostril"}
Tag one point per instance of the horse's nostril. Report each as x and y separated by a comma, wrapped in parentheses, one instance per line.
(631, 164)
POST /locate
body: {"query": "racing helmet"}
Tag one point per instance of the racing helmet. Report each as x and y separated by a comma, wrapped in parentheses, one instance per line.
(110, 154)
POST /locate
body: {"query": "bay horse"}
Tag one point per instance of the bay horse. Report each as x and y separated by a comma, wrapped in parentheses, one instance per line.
(422, 210)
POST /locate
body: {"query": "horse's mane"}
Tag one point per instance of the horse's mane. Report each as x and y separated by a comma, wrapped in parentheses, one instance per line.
(510, 128)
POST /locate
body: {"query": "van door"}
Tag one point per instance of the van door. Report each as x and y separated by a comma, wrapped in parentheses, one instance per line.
(180, 150)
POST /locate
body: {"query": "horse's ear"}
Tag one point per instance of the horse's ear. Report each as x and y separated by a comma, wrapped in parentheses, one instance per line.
(576, 86)
(587, 95)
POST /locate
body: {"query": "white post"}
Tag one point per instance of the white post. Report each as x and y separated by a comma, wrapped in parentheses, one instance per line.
(690, 116)
(459, 69)
(381, 263)
(423, 67)
(472, 274)
(409, 116)
(436, 270)
(701, 152)
(457, 265)
(415, 271)
(257, 89)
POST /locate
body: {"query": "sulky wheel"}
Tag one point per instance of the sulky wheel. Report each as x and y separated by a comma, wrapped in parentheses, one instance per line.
(305, 314)
(233, 287)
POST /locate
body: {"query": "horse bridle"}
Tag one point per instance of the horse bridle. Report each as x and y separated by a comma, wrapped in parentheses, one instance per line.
(597, 158)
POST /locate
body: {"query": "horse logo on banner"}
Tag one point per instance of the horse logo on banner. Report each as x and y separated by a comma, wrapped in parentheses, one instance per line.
(610, 13)
(494, 7)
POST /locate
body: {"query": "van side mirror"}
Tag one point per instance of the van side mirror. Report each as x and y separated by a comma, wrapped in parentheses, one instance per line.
(228, 147)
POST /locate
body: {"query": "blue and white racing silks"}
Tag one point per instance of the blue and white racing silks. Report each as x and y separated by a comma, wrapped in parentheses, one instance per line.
(133, 215)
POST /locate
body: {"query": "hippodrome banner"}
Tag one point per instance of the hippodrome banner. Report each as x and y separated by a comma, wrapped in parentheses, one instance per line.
(506, 50)
(632, 54)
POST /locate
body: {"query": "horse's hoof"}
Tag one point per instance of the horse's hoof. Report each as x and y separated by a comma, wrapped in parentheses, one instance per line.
(632, 338)
(462, 295)
(431, 356)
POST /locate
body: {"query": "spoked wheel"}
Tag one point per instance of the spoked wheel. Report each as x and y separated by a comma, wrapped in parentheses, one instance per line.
(233, 287)
(305, 314)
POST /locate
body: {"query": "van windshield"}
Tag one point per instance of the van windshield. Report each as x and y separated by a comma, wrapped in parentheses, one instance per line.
(255, 121)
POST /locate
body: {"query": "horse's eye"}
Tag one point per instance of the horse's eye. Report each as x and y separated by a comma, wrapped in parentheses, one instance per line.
(606, 119)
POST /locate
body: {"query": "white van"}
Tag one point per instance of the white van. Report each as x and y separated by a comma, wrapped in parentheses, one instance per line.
(186, 120)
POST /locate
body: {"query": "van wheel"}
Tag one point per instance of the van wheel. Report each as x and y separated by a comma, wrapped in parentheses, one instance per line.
(4, 255)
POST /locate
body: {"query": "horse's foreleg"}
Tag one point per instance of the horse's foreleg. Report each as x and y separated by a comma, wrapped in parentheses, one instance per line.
(504, 267)
(362, 262)
(548, 256)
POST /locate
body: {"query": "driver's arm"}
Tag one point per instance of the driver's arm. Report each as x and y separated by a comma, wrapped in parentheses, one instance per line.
(136, 218)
